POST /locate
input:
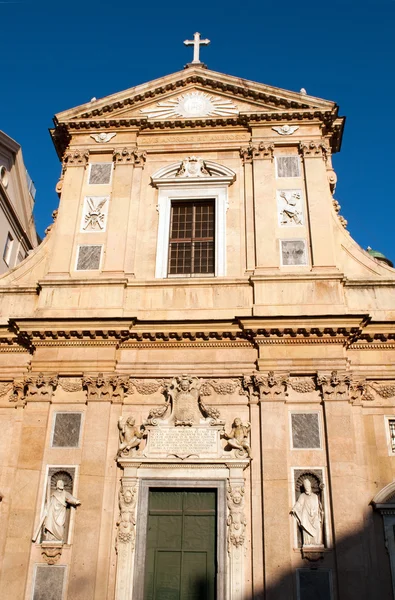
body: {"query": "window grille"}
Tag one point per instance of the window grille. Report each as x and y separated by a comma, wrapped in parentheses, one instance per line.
(192, 244)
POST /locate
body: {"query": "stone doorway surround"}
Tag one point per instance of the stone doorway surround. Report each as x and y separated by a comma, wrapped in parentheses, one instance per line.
(140, 476)
(184, 449)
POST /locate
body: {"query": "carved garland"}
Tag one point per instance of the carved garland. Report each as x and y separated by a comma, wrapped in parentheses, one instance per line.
(258, 387)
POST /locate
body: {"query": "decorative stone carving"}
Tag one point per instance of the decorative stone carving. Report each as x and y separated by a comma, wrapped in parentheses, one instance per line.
(5, 387)
(313, 149)
(192, 167)
(221, 386)
(70, 384)
(51, 552)
(76, 158)
(334, 387)
(130, 436)
(184, 392)
(245, 155)
(127, 507)
(192, 104)
(54, 217)
(262, 151)
(236, 517)
(18, 393)
(286, 129)
(95, 213)
(302, 385)
(131, 156)
(147, 386)
(309, 514)
(273, 386)
(102, 138)
(385, 391)
(293, 253)
(337, 208)
(105, 388)
(290, 210)
(40, 387)
(238, 438)
(183, 426)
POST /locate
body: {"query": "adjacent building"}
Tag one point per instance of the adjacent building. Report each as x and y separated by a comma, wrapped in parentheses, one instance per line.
(17, 193)
(197, 381)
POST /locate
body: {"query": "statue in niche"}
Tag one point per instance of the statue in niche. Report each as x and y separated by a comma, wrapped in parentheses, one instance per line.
(184, 392)
(54, 518)
(309, 514)
(238, 437)
(130, 436)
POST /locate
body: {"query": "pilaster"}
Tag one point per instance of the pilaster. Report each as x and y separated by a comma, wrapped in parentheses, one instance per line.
(264, 206)
(73, 173)
(319, 204)
(122, 204)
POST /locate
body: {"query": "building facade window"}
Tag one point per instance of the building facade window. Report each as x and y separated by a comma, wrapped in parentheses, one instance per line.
(390, 426)
(192, 207)
(8, 249)
(192, 243)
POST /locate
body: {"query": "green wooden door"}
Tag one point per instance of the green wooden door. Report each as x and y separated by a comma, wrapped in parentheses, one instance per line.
(181, 545)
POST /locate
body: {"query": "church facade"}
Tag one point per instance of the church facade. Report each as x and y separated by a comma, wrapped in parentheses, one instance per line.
(197, 390)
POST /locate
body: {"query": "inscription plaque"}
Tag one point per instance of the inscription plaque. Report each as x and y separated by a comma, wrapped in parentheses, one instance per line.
(183, 441)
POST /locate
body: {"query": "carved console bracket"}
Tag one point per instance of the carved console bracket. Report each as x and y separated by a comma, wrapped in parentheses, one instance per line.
(51, 552)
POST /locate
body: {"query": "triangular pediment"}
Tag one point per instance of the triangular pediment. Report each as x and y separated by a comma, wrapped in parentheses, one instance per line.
(195, 93)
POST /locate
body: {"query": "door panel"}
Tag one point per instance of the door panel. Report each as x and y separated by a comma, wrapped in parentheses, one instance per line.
(181, 545)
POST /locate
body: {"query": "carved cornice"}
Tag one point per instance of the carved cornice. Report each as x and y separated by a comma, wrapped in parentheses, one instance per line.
(207, 82)
(76, 158)
(130, 156)
(352, 331)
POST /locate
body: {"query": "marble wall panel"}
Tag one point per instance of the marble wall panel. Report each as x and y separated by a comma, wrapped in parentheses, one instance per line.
(49, 582)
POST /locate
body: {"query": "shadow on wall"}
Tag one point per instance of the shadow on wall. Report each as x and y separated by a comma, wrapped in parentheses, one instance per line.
(357, 568)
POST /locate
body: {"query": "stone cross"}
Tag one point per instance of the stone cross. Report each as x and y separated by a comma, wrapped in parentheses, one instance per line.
(196, 43)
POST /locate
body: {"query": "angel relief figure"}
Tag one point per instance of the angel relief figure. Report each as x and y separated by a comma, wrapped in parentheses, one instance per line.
(130, 436)
(238, 437)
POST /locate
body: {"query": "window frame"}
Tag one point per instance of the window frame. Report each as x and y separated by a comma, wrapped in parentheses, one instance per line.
(194, 203)
(7, 252)
(387, 420)
(191, 193)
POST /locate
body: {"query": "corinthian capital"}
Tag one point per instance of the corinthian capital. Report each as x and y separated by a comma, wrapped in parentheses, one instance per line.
(313, 149)
(75, 158)
(130, 156)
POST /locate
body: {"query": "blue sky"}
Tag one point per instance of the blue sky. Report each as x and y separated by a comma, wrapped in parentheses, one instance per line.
(59, 55)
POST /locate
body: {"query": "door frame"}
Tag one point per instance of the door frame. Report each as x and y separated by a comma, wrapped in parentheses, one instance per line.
(142, 523)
